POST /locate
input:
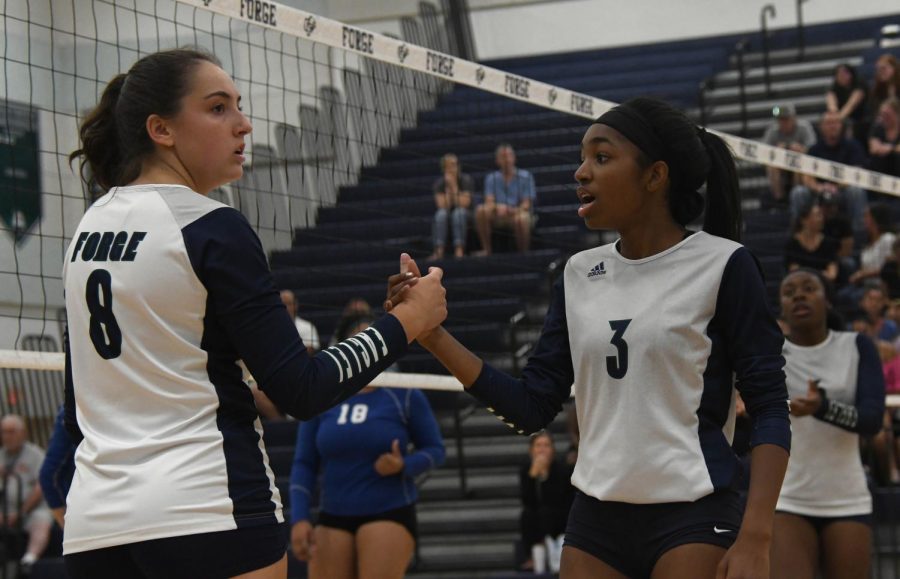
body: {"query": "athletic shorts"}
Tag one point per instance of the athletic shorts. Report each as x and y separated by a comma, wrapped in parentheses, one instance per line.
(819, 523)
(204, 556)
(405, 516)
(631, 538)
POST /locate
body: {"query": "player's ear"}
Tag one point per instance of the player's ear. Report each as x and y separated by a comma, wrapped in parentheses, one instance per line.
(159, 131)
(657, 176)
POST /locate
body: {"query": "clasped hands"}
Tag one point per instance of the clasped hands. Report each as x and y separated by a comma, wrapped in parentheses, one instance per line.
(406, 287)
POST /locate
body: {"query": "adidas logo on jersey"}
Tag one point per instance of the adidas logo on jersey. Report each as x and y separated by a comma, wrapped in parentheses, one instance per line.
(597, 271)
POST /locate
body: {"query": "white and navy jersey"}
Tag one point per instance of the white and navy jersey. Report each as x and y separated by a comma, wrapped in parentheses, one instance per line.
(825, 476)
(165, 291)
(654, 348)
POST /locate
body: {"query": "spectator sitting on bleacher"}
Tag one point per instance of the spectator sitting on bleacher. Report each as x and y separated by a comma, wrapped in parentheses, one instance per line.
(837, 228)
(837, 148)
(786, 132)
(509, 195)
(546, 498)
(873, 304)
(880, 245)
(453, 200)
(847, 98)
(884, 139)
(885, 82)
(308, 332)
(809, 247)
(23, 501)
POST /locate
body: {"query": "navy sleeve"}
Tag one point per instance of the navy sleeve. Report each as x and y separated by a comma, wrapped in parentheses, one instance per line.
(425, 435)
(529, 403)
(754, 343)
(58, 467)
(70, 420)
(867, 415)
(304, 470)
(229, 260)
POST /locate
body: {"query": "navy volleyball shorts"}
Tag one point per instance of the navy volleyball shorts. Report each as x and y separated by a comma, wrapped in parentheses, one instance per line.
(206, 555)
(405, 516)
(631, 538)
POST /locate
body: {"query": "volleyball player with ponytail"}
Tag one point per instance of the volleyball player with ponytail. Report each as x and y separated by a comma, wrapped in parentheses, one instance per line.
(166, 290)
(654, 331)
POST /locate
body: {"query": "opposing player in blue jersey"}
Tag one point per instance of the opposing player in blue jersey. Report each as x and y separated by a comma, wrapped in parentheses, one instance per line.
(166, 290)
(836, 384)
(366, 526)
(655, 331)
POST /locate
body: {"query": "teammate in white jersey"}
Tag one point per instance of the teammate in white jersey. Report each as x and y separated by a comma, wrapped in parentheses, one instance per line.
(166, 290)
(836, 384)
(654, 331)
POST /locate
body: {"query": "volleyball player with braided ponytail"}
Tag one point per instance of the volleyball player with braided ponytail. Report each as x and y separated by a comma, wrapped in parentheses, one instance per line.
(654, 331)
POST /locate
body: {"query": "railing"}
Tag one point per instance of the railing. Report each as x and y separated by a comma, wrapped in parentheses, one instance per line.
(739, 50)
(768, 11)
(801, 35)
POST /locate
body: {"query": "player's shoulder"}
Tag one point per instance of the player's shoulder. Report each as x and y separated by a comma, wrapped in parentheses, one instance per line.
(187, 206)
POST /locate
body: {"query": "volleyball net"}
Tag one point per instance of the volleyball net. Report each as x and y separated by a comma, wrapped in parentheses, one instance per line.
(330, 104)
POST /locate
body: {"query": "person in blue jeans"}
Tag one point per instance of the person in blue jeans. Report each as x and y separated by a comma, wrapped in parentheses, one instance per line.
(509, 195)
(453, 200)
(366, 525)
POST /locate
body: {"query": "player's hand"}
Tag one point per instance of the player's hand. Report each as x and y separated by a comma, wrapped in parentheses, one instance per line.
(303, 541)
(424, 305)
(399, 283)
(748, 558)
(809, 404)
(390, 463)
(59, 515)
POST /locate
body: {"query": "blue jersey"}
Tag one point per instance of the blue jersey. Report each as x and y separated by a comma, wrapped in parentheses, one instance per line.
(166, 290)
(58, 467)
(344, 444)
(654, 348)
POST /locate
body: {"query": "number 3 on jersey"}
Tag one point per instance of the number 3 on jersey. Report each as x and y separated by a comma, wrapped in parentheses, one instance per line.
(104, 330)
(617, 365)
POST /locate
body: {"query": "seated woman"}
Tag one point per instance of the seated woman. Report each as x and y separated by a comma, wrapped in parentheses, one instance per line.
(546, 498)
(847, 97)
(823, 521)
(809, 247)
(884, 139)
(453, 198)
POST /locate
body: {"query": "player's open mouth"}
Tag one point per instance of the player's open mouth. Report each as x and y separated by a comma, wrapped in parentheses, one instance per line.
(586, 200)
(801, 310)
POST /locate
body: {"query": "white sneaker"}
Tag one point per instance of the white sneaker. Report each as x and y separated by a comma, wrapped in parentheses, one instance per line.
(539, 556)
(554, 553)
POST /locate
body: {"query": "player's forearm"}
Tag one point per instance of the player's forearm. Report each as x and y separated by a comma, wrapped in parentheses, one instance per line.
(458, 359)
(768, 463)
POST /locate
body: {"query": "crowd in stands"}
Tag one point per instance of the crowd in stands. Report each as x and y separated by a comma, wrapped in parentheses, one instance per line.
(843, 232)
(507, 204)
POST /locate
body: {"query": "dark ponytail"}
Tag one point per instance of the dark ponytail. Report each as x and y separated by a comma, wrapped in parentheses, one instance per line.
(114, 139)
(723, 194)
(100, 151)
(694, 157)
